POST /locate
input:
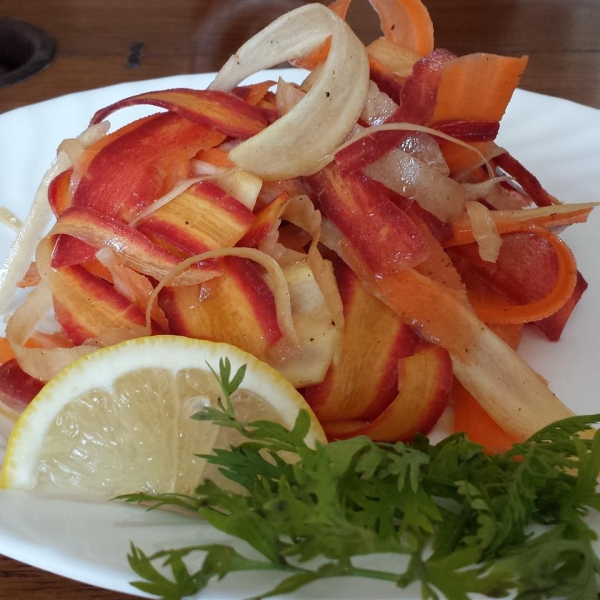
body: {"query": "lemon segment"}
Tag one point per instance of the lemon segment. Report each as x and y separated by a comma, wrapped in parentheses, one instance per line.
(118, 420)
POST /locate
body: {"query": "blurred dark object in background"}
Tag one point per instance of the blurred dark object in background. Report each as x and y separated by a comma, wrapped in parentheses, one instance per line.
(24, 50)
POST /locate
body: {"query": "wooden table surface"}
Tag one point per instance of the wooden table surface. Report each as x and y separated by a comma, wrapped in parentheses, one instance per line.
(95, 43)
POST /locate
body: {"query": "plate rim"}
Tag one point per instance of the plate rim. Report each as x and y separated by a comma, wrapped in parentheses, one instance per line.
(105, 577)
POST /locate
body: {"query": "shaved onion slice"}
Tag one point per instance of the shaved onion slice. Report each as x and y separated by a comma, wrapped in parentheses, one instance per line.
(378, 106)
(241, 185)
(41, 363)
(483, 189)
(510, 391)
(550, 217)
(25, 319)
(307, 362)
(407, 175)
(276, 281)
(421, 129)
(424, 147)
(317, 308)
(301, 212)
(45, 363)
(485, 233)
(22, 250)
(331, 236)
(133, 285)
(8, 218)
(497, 196)
(73, 148)
(413, 178)
(19, 256)
(201, 167)
(297, 143)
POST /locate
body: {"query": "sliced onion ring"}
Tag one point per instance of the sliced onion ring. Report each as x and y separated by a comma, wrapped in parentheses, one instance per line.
(301, 212)
(484, 231)
(41, 363)
(297, 143)
(19, 257)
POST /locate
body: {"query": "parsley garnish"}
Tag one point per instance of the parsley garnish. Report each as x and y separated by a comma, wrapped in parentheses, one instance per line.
(466, 522)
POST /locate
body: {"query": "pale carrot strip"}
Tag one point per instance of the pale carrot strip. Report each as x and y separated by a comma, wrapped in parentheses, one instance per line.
(477, 87)
(471, 418)
(31, 278)
(254, 94)
(398, 60)
(406, 23)
(511, 333)
(460, 158)
(6, 352)
(215, 156)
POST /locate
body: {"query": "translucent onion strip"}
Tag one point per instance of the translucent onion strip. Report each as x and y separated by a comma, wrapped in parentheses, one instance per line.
(378, 106)
(41, 363)
(485, 232)
(417, 128)
(136, 287)
(554, 216)
(483, 189)
(411, 177)
(297, 143)
(301, 212)
(9, 219)
(21, 252)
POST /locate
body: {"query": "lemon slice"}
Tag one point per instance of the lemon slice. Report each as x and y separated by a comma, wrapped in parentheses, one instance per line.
(118, 420)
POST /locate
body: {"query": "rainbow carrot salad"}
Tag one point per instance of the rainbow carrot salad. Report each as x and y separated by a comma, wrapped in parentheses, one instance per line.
(361, 232)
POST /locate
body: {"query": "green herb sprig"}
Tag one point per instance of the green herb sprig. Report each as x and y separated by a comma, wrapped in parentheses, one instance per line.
(465, 521)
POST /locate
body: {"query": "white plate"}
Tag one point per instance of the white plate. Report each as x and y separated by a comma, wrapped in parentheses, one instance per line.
(558, 140)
